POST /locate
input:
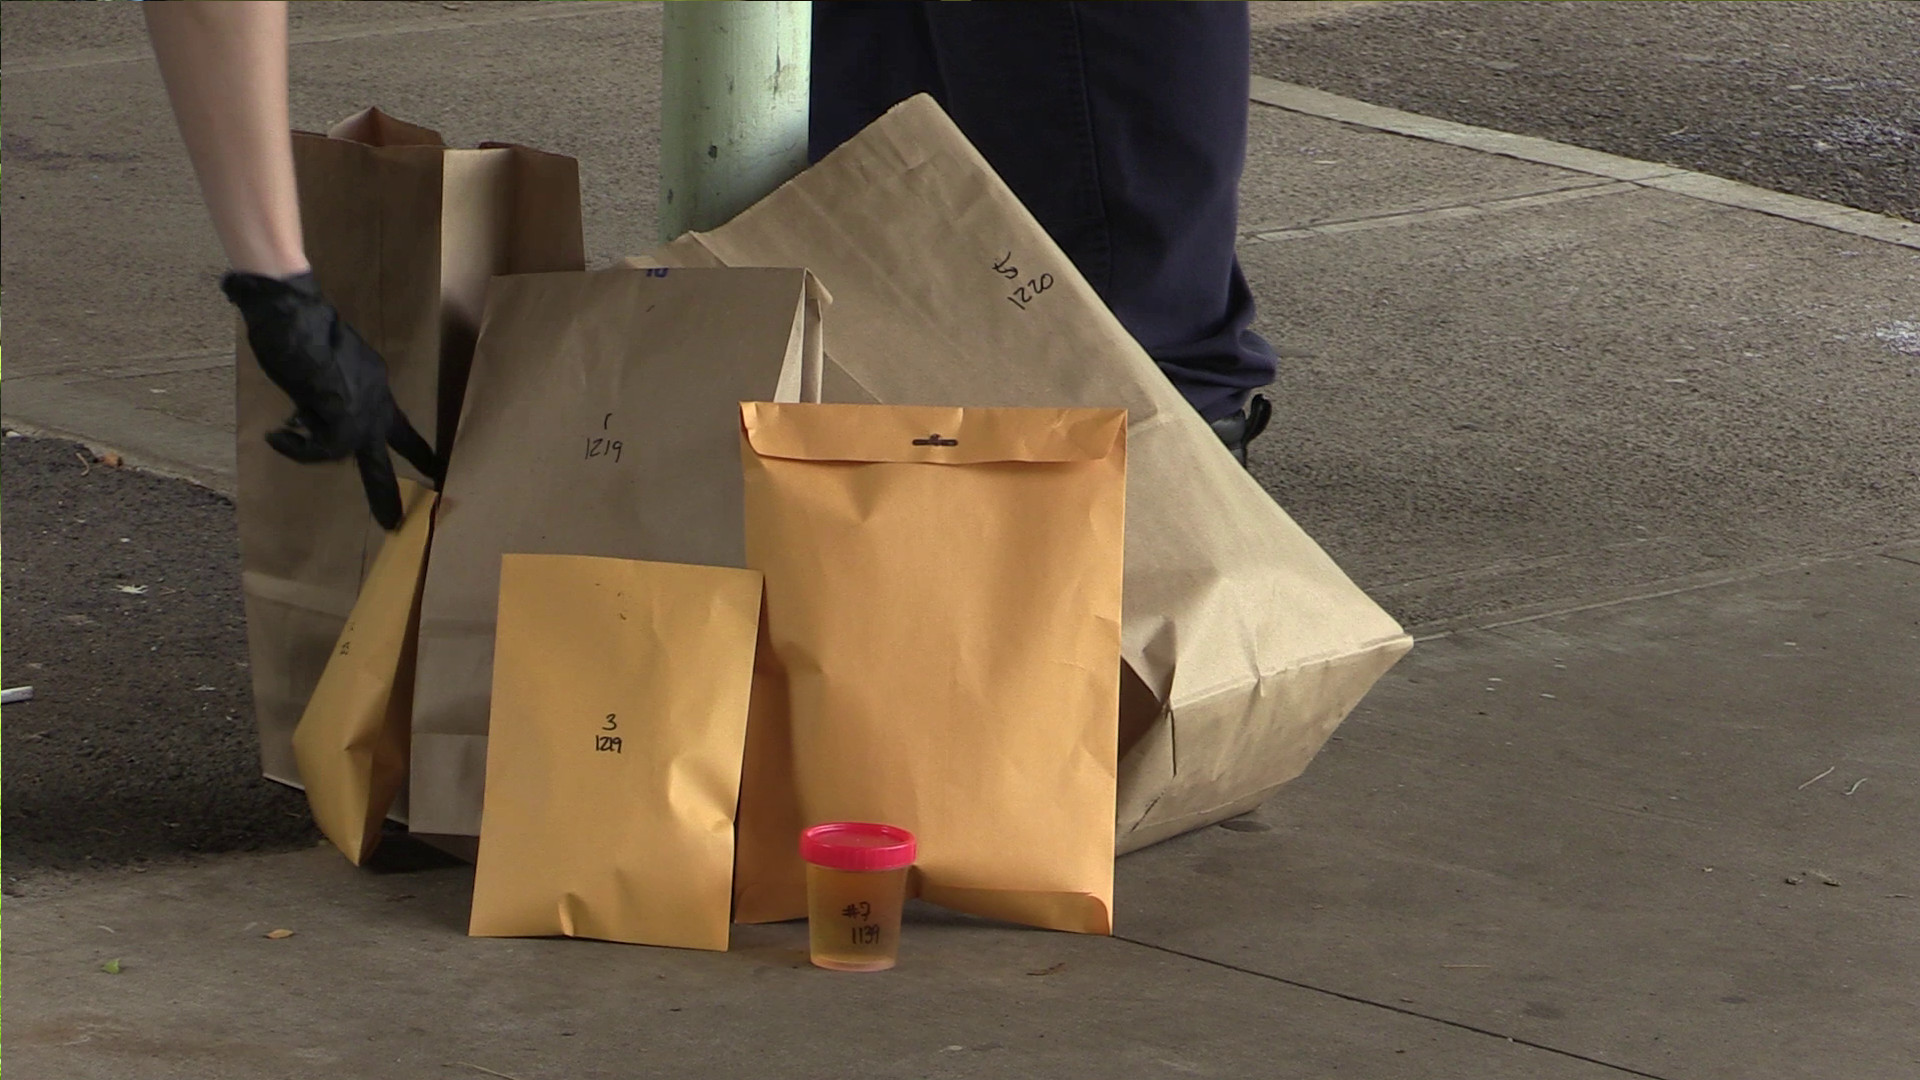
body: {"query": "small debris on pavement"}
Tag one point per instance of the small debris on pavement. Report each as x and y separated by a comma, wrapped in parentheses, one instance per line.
(111, 967)
(277, 935)
(1051, 969)
(15, 695)
(110, 459)
(1816, 779)
(132, 590)
(1855, 787)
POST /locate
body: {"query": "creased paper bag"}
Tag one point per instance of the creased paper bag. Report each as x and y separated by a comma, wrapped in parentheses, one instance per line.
(403, 233)
(613, 770)
(351, 743)
(943, 628)
(1245, 644)
(602, 419)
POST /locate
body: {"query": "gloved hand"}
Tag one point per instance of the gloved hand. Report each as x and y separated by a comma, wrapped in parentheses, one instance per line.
(337, 382)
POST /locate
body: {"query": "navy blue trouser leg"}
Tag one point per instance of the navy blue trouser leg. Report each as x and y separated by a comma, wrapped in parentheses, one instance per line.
(1121, 126)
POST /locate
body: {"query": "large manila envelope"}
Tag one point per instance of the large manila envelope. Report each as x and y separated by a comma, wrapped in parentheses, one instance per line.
(942, 649)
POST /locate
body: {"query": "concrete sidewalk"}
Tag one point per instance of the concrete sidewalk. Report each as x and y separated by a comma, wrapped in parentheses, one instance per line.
(1633, 452)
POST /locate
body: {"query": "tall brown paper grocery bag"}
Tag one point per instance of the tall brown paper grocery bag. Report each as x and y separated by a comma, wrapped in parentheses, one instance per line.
(943, 624)
(403, 234)
(1245, 644)
(601, 419)
(619, 715)
(351, 743)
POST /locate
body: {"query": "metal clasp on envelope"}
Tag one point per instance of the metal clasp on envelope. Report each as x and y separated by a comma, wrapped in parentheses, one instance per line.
(936, 439)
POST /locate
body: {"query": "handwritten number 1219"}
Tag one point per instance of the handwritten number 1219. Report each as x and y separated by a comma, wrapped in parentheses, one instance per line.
(1022, 295)
(604, 446)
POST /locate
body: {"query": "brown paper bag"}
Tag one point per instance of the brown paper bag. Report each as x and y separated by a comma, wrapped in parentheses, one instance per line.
(943, 615)
(619, 715)
(351, 743)
(403, 234)
(601, 419)
(1246, 645)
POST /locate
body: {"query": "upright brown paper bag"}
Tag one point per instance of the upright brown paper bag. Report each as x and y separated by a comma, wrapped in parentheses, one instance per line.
(601, 419)
(1245, 644)
(943, 626)
(403, 234)
(351, 743)
(619, 715)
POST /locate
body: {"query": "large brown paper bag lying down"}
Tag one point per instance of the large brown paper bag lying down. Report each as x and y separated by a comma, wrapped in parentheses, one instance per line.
(351, 743)
(619, 714)
(1245, 645)
(943, 626)
(403, 233)
(602, 419)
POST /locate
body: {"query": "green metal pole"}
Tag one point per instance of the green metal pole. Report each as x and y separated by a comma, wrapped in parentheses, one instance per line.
(733, 107)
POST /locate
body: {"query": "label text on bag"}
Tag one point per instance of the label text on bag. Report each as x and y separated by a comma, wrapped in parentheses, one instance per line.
(602, 445)
(1022, 295)
(608, 744)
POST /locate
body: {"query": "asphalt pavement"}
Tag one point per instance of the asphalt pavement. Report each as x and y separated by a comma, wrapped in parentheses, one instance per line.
(1628, 447)
(1814, 99)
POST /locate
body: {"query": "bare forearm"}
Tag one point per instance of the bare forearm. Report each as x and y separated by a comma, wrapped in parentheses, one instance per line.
(225, 66)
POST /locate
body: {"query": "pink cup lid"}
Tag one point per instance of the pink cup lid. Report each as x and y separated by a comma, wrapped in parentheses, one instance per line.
(857, 845)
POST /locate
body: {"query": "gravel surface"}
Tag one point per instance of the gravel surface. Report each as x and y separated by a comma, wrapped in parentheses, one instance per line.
(124, 614)
(1814, 99)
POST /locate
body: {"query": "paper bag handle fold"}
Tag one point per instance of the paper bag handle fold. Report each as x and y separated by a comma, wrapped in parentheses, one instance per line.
(375, 128)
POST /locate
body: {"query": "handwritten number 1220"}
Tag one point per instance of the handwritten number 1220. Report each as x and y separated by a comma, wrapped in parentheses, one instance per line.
(1022, 295)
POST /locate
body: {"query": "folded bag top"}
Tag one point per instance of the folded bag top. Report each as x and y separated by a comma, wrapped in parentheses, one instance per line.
(933, 435)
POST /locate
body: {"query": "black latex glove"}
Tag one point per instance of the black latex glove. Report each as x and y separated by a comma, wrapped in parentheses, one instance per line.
(337, 382)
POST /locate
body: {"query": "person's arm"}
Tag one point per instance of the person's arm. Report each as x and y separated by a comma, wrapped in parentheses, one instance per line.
(225, 66)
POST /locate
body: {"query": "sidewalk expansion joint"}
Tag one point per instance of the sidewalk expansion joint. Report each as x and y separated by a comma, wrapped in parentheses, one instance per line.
(1653, 590)
(1647, 174)
(1461, 1025)
(1269, 234)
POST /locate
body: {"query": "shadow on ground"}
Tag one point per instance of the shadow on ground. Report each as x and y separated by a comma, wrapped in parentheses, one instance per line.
(124, 615)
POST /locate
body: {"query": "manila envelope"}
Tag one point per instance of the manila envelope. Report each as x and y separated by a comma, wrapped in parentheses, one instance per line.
(941, 650)
(351, 743)
(620, 695)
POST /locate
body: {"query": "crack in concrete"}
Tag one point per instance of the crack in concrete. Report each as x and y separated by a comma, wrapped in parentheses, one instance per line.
(1359, 999)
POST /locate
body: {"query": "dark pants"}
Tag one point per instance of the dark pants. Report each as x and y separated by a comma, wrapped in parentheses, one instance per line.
(1121, 126)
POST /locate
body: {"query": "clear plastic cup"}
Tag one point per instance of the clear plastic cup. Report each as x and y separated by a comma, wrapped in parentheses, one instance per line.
(856, 885)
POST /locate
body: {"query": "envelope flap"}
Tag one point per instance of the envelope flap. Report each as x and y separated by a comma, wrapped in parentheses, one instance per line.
(375, 128)
(930, 434)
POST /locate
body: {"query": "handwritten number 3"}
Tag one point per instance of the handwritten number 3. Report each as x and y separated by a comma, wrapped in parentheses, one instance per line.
(611, 724)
